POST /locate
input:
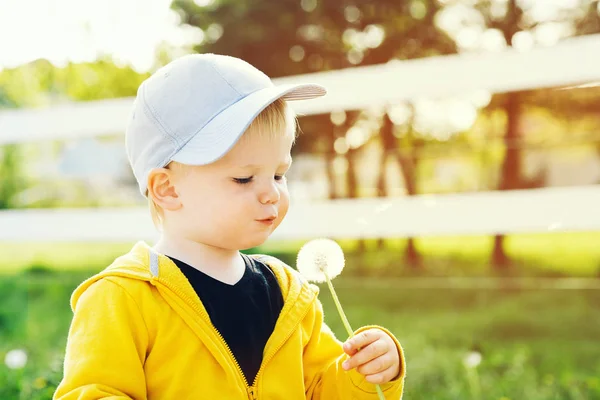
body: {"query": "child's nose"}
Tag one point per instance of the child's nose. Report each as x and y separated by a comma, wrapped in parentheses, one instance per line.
(269, 194)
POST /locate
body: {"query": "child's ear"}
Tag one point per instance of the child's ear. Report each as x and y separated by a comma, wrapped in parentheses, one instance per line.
(161, 189)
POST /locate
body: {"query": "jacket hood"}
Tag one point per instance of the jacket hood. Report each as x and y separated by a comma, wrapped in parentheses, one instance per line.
(143, 263)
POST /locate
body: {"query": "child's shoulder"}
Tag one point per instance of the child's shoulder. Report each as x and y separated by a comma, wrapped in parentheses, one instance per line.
(103, 284)
(127, 277)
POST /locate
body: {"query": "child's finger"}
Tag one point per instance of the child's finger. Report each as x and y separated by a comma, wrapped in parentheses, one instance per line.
(365, 355)
(382, 377)
(363, 339)
(350, 351)
(375, 366)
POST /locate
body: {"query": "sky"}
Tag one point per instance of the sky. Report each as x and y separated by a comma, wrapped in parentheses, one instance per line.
(80, 30)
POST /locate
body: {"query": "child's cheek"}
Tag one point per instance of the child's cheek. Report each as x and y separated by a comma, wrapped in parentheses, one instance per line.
(283, 206)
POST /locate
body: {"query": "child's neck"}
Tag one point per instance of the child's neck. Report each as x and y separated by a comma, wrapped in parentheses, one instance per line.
(222, 264)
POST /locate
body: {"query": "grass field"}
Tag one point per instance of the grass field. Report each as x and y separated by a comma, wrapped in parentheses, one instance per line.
(552, 254)
(535, 345)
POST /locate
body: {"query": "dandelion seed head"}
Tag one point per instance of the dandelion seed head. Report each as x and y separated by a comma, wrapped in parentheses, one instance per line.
(320, 258)
(15, 359)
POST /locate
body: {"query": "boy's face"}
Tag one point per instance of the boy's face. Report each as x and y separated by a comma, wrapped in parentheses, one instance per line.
(238, 201)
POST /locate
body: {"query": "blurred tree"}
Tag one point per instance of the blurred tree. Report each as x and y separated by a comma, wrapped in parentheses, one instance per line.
(39, 83)
(405, 152)
(290, 37)
(339, 130)
(590, 22)
(501, 23)
(12, 180)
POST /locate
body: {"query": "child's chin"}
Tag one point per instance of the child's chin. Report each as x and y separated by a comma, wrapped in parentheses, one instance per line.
(255, 241)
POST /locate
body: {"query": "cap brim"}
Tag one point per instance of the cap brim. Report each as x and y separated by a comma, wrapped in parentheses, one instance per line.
(219, 135)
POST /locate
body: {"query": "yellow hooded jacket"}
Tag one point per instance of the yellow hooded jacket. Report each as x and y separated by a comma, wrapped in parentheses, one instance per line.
(140, 331)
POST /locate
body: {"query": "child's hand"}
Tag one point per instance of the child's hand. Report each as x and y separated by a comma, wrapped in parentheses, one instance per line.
(374, 354)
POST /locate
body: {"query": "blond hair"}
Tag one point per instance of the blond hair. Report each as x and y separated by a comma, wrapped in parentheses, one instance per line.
(277, 119)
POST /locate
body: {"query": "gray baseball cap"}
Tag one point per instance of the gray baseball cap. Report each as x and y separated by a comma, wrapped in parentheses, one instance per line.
(194, 109)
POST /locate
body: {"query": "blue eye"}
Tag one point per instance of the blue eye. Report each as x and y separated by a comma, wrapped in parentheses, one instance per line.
(242, 181)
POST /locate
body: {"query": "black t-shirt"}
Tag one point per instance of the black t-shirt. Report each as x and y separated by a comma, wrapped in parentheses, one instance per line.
(245, 313)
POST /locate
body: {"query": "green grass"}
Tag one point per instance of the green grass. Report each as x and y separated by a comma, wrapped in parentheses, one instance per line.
(18, 256)
(535, 345)
(574, 254)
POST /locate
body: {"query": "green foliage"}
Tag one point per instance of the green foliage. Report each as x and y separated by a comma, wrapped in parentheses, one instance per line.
(12, 180)
(40, 83)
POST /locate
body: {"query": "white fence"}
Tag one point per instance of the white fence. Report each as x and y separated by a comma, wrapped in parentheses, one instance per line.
(539, 210)
(572, 62)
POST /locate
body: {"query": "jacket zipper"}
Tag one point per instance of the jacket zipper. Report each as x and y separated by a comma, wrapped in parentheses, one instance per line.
(206, 319)
(250, 390)
(252, 393)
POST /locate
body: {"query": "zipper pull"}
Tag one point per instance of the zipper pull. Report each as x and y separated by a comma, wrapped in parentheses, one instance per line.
(252, 393)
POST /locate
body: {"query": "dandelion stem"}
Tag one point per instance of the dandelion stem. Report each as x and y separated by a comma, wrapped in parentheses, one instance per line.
(473, 379)
(339, 307)
(347, 324)
(379, 392)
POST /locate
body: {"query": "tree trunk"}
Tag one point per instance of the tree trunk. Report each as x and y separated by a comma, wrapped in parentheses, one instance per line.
(408, 164)
(510, 175)
(351, 177)
(412, 255)
(500, 260)
(329, 158)
(382, 186)
(352, 185)
(511, 166)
